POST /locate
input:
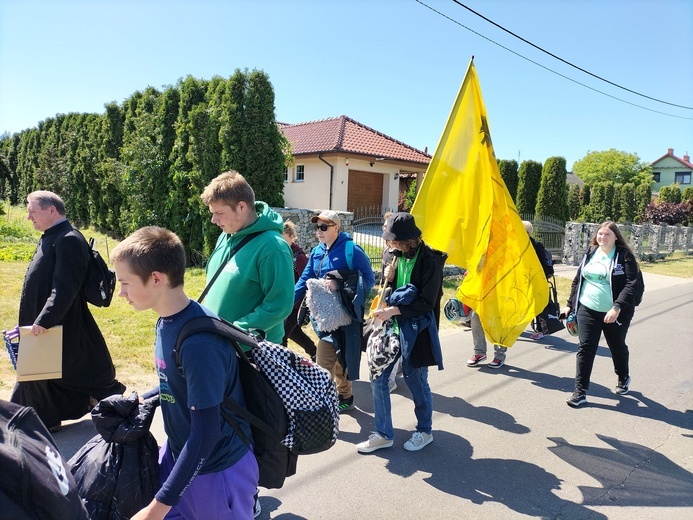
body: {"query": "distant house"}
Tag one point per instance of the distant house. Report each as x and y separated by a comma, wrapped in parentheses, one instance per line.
(669, 169)
(571, 178)
(344, 165)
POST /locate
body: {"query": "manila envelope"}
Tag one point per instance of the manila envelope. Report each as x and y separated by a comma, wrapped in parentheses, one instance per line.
(40, 356)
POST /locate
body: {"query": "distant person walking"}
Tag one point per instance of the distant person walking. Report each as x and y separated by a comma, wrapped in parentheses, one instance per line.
(52, 296)
(292, 329)
(602, 297)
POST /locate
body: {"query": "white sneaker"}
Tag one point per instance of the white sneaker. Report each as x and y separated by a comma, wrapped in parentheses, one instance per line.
(418, 441)
(374, 442)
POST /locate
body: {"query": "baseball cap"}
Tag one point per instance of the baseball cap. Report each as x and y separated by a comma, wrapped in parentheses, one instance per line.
(328, 217)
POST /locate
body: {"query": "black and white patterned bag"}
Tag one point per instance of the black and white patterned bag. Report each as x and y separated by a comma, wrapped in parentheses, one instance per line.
(308, 393)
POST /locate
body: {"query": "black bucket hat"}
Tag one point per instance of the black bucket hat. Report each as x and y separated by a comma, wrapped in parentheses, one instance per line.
(401, 227)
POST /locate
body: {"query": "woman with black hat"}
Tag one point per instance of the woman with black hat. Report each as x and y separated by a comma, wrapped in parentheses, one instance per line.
(414, 307)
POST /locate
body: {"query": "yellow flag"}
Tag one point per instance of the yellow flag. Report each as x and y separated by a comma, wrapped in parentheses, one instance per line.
(463, 208)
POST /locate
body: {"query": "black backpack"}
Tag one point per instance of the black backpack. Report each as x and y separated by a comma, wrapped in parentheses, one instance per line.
(291, 403)
(99, 284)
(35, 482)
(265, 410)
(639, 289)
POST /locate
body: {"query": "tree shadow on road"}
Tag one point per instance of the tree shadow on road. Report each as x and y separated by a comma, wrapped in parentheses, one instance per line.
(521, 486)
(632, 404)
(630, 474)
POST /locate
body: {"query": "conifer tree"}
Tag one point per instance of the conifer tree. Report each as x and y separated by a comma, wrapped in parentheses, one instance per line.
(552, 200)
(529, 180)
(509, 173)
(574, 204)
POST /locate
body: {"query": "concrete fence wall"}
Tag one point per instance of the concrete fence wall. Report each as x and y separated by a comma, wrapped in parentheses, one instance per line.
(648, 241)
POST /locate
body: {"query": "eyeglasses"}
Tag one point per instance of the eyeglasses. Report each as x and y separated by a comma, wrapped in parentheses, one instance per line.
(323, 227)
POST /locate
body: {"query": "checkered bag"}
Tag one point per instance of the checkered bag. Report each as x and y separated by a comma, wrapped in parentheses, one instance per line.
(308, 393)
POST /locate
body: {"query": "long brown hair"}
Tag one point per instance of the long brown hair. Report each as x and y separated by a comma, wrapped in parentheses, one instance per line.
(620, 241)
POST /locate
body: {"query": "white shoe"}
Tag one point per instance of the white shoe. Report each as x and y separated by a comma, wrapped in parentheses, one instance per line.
(418, 441)
(374, 442)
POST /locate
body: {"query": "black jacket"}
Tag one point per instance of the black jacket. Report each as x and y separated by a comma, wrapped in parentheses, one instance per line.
(623, 279)
(427, 277)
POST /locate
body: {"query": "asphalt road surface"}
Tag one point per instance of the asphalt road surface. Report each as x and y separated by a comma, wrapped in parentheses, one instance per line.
(506, 445)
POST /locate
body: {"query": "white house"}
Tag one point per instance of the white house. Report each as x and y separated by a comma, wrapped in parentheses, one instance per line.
(343, 165)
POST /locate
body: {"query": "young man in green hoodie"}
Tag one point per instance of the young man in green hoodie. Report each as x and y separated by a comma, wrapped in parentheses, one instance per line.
(255, 288)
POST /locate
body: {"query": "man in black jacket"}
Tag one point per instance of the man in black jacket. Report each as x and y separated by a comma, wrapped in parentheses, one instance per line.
(51, 296)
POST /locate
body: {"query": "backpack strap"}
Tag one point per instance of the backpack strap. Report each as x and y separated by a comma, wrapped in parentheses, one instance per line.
(349, 253)
(217, 326)
(235, 336)
(235, 250)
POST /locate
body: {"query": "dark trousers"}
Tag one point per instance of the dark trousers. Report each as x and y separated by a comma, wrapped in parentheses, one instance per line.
(292, 331)
(590, 327)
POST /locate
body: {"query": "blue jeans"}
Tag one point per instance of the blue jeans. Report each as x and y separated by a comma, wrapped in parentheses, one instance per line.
(417, 381)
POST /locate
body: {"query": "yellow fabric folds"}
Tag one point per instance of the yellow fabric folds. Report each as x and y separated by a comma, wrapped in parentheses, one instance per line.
(463, 208)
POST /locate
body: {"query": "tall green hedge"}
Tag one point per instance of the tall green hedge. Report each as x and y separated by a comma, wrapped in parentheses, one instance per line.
(552, 199)
(529, 180)
(147, 160)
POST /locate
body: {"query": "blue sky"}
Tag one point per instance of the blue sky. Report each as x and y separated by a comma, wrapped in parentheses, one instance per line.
(393, 65)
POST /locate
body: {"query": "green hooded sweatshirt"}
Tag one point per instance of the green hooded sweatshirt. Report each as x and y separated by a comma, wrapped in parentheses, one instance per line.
(256, 288)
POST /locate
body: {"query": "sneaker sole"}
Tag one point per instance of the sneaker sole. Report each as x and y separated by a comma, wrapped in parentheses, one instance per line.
(417, 448)
(576, 405)
(621, 392)
(375, 448)
(495, 366)
(472, 365)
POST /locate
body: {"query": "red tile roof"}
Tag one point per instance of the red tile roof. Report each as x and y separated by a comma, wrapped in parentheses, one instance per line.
(670, 153)
(343, 134)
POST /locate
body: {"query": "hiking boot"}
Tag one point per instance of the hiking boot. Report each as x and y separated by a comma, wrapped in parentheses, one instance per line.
(345, 404)
(496, 363)
(578, 398)
(257, 508)
(374, 442)
(418, 441)
(475, 360)
(622, 386)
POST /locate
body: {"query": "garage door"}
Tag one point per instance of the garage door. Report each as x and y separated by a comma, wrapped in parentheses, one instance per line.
(365, 189)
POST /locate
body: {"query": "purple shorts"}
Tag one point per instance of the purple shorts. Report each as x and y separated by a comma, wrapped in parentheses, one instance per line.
(227, 495)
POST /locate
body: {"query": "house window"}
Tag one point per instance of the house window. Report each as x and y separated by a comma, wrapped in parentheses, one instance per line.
(682, 177)
(286, 174)
(656, 176)
(300, 173)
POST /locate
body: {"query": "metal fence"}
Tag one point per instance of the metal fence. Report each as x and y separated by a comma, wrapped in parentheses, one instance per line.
(368, 231)
(550, 231)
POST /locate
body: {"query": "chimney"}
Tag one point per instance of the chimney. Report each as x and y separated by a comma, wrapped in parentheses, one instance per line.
(670, 151)
(686, 157)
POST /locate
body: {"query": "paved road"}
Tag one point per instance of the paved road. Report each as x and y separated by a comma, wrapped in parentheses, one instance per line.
(506, 445)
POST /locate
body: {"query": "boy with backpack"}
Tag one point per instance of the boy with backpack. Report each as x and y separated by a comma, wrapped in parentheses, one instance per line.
(206, 470)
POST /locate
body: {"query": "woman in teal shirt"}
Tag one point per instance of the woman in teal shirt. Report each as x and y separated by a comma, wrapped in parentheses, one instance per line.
(602, 297)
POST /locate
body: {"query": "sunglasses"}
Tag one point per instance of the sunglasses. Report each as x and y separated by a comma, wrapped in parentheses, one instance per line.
(323, 227)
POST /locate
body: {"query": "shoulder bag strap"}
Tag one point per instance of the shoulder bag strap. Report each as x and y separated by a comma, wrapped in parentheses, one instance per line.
(235, 250)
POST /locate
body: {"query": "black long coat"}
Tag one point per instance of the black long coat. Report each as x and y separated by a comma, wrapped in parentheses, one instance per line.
(51, 296)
